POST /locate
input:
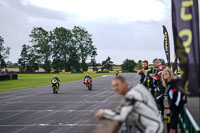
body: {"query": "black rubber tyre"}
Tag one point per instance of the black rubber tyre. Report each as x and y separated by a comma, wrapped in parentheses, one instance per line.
(90, 88)
(54, 89)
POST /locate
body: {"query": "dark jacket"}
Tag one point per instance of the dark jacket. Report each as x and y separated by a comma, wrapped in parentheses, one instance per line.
(87, 77)
(56, 79)
(157, 84)
(145, 79)
(175, 96)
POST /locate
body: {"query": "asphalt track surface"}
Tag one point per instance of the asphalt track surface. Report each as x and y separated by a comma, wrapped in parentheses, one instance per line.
(37, 110)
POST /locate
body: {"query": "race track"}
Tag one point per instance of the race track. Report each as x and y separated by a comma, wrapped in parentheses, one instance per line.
(37, 110)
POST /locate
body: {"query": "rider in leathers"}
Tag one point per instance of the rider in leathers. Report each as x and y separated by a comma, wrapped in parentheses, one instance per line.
(157, 85)
(140, 108)
(56, 78)
(145, 79)
(143, 72)
(86, 78)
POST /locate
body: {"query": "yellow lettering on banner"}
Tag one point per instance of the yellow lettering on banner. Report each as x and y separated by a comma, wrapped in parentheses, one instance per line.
(186, 44)
(166, 42)
(184, 5)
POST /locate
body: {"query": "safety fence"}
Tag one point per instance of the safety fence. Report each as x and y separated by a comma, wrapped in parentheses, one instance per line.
(187, 123)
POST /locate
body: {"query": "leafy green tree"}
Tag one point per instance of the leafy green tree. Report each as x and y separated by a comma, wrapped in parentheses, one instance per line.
(29, 60)
(129, 65)
(107, 64)
(58, 64)
(84, 42)
(4, 52)
(93, 60)
(74, 59)
(139, 64)
(61, 40)
(11, 64)
(41, 40)
(23, 61)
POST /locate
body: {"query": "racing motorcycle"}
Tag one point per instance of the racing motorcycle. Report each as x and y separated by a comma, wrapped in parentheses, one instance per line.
(88, 84)
(55, 86)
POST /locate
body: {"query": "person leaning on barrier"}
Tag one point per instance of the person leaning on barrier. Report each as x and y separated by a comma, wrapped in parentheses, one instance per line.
(139, 107)
(175, 97)
(159, 90)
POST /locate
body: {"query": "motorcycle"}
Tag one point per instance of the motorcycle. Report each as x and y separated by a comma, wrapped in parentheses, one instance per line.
(117, 73)
(55, 86)
(88, 84)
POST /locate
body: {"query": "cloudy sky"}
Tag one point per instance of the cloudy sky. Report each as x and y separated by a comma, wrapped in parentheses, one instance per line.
(121, 28)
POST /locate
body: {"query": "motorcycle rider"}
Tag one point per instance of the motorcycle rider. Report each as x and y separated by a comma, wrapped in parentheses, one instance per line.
(56, 78)
(86, 78)
(117, 72)
(145, 79)
(159, 90)
(143, 73)
(138, 101)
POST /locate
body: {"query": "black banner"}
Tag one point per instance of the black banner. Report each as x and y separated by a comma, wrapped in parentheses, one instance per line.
(175, 65)
(166, 45)
(185, 22)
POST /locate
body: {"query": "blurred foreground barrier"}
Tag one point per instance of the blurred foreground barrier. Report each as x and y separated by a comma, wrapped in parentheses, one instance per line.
(111, 126)
(108, 126)
(187, 123)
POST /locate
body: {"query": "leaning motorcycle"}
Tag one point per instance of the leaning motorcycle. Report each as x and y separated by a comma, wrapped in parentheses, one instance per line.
(88, 84)
(55, 86)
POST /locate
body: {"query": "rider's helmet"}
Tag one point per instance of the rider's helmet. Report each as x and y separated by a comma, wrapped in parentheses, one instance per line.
(160, 70)
(86, 74)
(54, 76)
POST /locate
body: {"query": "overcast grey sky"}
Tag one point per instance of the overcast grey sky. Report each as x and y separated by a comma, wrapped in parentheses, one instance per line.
(121, 28)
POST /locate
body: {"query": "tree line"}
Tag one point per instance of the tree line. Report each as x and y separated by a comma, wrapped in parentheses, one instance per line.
(59, 49)
(4, 52)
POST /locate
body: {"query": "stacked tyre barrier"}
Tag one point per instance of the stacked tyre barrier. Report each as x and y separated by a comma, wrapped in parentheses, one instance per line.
(8, 77)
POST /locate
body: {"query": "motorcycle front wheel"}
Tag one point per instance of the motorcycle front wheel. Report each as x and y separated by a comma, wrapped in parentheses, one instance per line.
(89, 87)
(54, 89)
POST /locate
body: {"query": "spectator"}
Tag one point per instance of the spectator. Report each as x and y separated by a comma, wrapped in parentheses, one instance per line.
(159, 90)
(175, 97)
(139, 107)
(143, 72)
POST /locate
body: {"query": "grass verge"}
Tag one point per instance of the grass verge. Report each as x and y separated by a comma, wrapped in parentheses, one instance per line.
(35, 80)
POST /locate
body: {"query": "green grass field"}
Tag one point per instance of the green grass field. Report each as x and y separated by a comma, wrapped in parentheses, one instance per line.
(36, 80)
